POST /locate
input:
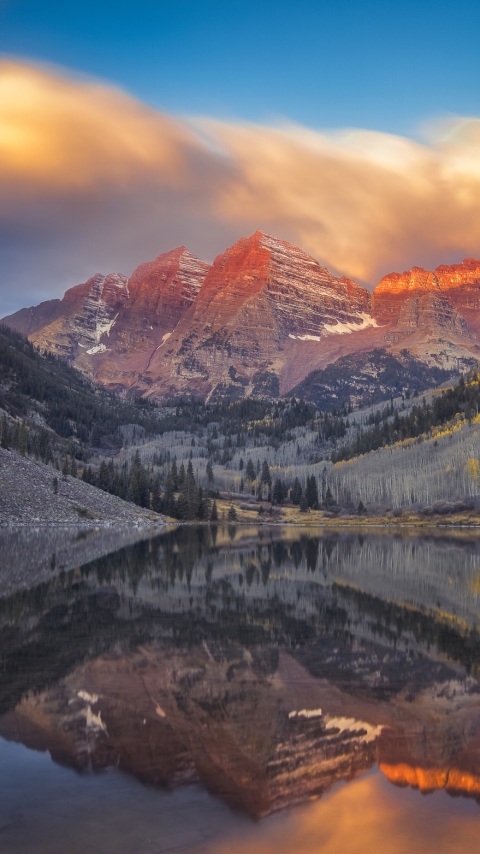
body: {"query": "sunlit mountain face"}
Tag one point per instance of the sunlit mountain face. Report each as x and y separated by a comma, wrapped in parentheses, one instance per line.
(255, 323)
(264, 665)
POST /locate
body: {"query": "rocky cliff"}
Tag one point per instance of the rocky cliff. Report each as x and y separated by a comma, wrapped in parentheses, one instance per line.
(109, 326)
(259, 297)
(256, 322)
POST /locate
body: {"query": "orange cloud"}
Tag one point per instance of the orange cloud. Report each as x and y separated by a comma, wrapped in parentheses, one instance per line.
(363, 202)
(91, 179)
(61, 135)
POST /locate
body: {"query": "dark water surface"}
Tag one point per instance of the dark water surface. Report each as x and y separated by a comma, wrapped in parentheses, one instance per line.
(245, 690)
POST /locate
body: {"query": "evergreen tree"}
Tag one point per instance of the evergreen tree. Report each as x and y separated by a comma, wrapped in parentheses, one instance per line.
(203, 510)
(5, 437)
(303, 503)
(329, 500)
(156, 501)
(103, 478)
(22, 439)
(209, 472)
(232, 514)
(266, 477)
(296, 492)
(174, 475)
(214, 513)
(277, 494)
(169, 495)
(311, 492)
(181, 476)
(250, 470)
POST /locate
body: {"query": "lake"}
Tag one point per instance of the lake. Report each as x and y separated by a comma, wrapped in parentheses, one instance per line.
(239, 689)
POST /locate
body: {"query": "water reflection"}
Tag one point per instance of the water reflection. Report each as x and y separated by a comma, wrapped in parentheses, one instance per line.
(266, 665)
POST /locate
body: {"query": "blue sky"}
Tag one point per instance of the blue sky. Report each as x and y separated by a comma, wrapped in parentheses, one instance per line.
(221, 118)
(380, 65)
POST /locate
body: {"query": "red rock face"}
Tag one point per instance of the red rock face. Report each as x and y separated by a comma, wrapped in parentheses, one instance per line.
(256, 322)
(395, 288)
(461, 283)
(258, 296)
(109, 326)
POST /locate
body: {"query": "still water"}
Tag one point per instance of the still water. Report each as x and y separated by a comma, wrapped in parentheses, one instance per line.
(239, 690)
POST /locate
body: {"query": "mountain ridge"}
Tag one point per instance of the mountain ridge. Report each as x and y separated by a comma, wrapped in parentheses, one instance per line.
(257, 321)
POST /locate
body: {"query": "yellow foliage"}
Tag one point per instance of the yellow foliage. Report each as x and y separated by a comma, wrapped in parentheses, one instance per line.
(472, 467)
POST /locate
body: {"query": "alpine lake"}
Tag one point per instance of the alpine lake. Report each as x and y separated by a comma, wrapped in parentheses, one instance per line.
(256, 690)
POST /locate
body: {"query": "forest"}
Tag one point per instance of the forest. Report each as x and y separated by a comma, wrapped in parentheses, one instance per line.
(180, 456)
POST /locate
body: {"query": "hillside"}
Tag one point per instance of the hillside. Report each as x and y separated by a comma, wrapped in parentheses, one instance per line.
(361, 379)
(45, 391)
(32, 493)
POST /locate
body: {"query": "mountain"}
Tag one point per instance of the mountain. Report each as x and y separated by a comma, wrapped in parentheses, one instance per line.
(109, 326)
(259, 298)
(435, 314)
(255, 323)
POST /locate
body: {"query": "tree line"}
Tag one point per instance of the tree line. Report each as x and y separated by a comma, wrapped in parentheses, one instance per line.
(462, 400)
(179, 496)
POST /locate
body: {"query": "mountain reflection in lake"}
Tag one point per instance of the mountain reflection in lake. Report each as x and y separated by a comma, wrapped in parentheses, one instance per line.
(241, 674)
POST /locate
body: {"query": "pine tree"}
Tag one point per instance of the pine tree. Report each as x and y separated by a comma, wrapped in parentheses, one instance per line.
(311, 492)
(22, 439)
(214, 513)
(329, 500)
(266, 478)
(209, 472)
(5, 438)
(156, 501)
(303, 503)
(181, 476)
(203, 510)
(250, 470)
(174, 475)
(296, 492)
(232, 514)
(277, 494)
(103, 479)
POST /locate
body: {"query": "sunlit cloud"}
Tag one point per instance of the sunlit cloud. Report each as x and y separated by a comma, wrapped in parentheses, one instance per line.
(93, 180)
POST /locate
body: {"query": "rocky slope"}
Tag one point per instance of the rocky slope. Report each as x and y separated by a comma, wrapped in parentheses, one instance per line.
(109, 327)
(256, 322)
(28, 497)
(259, 297)
(425, 311)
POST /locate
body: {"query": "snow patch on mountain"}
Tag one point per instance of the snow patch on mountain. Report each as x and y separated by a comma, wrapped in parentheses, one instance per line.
(339, 328)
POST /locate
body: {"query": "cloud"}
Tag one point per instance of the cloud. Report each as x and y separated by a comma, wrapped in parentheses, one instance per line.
(91, 179)
(362, 202)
